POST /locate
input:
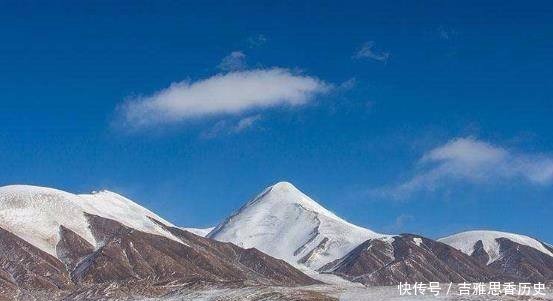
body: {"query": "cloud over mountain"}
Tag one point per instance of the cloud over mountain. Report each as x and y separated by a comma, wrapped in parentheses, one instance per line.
(368, 51)
(229, 93)
(236, 60)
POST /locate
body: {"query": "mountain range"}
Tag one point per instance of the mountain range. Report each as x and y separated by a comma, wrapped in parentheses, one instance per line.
(57, 245)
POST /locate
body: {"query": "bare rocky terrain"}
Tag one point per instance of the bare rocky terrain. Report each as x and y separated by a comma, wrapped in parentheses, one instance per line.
(519, 262)
(411, 258)
(407, 258)
(132, 263)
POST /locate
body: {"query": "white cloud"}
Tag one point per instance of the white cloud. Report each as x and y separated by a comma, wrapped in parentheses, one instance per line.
(369, 51)
(230, 93)
(236, 60)
(246, 122)
(469, 159)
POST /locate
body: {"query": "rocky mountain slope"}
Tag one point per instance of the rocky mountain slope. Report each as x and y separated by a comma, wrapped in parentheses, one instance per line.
(508, 254)
(319, 240)
(287, 224)
(407, 258)
(54, 244)
(26, 271)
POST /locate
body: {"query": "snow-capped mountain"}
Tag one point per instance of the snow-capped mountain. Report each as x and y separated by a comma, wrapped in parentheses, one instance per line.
(57, 245)
(117, 207)
(468, 243)
(287, 224)
(77, 246)
(511, 255)
(36, 213)
(407, 258)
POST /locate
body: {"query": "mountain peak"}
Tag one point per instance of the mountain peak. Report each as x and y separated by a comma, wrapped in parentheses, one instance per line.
(284, 186)
(285, 192)
(284, 213)
(36, 214)
(29, 189)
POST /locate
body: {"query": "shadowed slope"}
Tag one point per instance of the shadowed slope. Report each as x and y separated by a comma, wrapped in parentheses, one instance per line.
(407, 258)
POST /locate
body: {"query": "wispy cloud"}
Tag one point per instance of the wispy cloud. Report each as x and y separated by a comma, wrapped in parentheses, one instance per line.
(227, 127)
(236, 60)
(348, 84)
(257, 41)
(231, 93)
(472, 160)
(246, 122)
(368, 51)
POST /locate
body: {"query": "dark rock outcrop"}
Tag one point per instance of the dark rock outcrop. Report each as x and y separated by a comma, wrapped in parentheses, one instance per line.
(479, 253)
(407, 258)
(132, 256)
(251, 263)
(72, 249)
(522, 262)
(132, 263)
(24, 269)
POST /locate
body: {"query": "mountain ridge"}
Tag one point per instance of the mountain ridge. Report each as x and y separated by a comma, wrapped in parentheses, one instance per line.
(407, 258)
(465, 242)
(282, 212)
(56, 245)
(274, 214)
(80, 245)
(512, 255)
(35, 214)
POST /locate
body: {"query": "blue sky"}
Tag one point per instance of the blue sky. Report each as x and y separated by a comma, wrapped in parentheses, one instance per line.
(426, 117)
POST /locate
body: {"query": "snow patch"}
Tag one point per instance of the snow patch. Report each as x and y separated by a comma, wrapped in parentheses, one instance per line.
(113, 206)
(466, 241)
(199, 231)
(388, 239)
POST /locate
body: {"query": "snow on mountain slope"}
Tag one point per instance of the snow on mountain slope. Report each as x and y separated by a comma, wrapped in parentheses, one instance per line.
(35, 214)
(199, 231)
(114, 206)
(285, 223)
(466, 241)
